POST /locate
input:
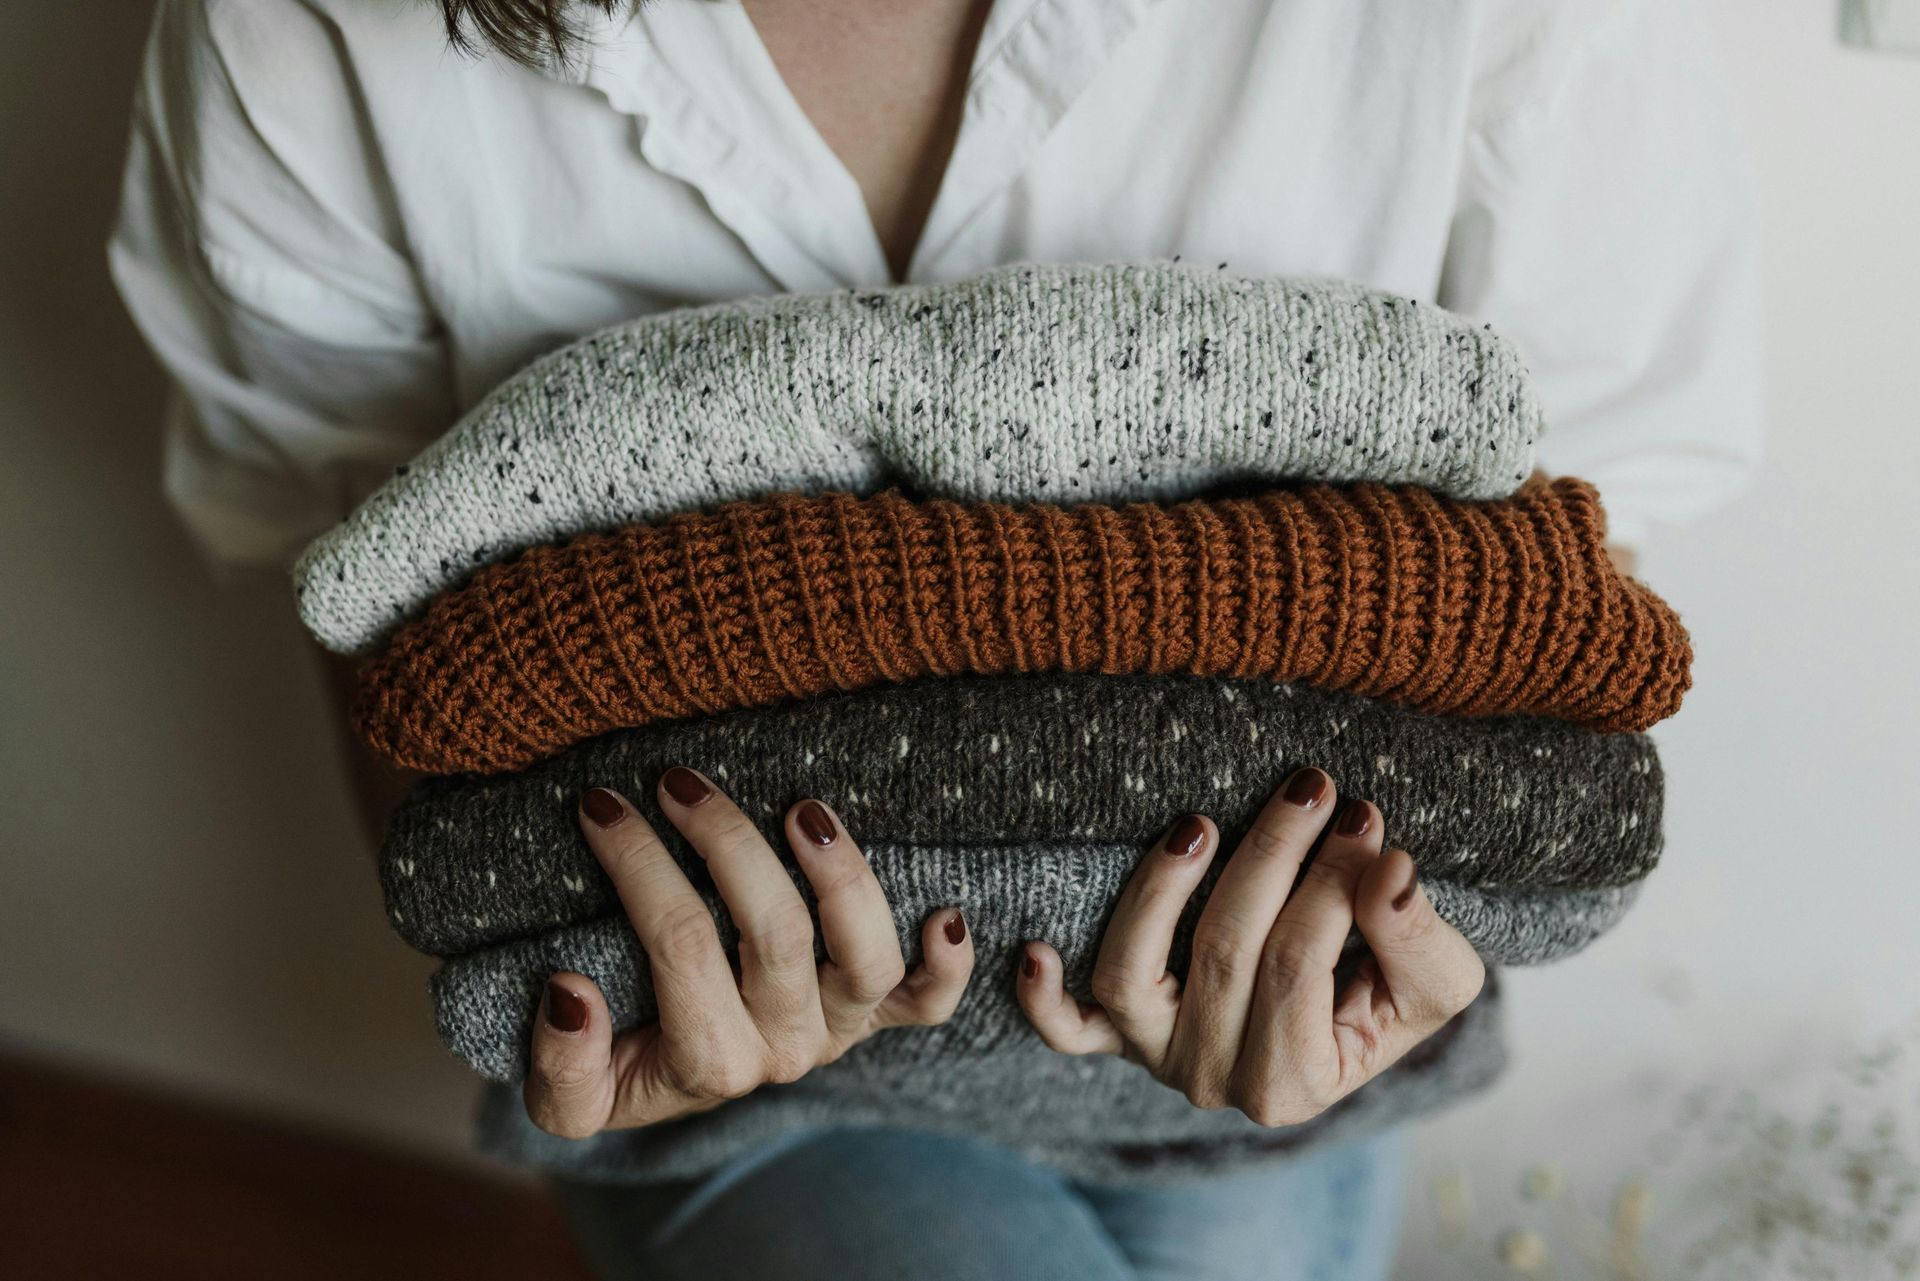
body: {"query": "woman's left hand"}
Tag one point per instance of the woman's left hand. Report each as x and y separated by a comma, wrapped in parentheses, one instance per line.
(1258, 1024)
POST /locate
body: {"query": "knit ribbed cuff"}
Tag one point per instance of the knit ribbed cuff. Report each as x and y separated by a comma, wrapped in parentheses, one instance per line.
(1504, 608)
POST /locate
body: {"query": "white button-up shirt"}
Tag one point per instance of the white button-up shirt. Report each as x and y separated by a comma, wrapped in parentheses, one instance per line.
(337, 233)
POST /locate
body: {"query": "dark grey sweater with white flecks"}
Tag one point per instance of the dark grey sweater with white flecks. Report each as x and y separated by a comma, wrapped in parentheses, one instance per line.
(1515, 803)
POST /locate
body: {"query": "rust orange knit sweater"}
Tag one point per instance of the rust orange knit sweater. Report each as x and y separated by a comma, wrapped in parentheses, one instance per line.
(1468, 608)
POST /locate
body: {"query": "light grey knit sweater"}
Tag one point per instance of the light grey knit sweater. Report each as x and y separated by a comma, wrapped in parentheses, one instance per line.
(976, 761)
(485, 1001)
(984, 1073)
(1097, 1118)
(1063, 383)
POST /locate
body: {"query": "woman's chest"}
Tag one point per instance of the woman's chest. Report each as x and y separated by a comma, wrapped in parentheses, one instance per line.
(679, 168)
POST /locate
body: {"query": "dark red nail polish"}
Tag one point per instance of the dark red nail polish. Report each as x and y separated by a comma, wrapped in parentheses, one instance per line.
(1030, 965)
(1355, 816)
(1405, 896)
(814, 822)
(685, 787)
(1186, 837)
(602, 807)
(956, 928)
(1306, 788)
(565, 1011)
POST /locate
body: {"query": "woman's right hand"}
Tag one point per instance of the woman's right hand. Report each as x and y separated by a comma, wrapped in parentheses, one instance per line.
(720, 1034)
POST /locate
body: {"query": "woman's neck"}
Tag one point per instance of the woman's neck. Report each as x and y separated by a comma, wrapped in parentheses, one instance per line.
(883, 82)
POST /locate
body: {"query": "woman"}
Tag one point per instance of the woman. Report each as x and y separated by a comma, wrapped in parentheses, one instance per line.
(338, 234)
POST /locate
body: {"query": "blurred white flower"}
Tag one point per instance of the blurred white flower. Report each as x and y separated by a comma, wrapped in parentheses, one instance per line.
(1803, 1179)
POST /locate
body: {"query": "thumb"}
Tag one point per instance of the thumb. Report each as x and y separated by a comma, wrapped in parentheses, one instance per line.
(570, 1078)
(1431, 971)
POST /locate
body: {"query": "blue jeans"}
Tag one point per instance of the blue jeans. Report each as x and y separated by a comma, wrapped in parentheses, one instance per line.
(854, 1204)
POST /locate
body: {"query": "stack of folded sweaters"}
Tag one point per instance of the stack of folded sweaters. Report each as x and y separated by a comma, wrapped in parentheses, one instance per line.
(1178, 534)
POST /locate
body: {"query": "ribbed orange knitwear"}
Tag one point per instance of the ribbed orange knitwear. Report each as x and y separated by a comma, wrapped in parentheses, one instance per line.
(1458, 607)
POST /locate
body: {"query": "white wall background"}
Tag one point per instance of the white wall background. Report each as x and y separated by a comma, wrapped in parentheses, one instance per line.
(185, 897)
(182, 891)
(1783, 927)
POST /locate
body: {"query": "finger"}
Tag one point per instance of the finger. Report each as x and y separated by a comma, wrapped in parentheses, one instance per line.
(1290, 1026)
(694, 988)
(1062, 1022)
(570, 1089)
(1130, 978)
(1312, 929)
(1233, 928)
(856, 925)
(778, 978)
(1430, 971)
(930, 994)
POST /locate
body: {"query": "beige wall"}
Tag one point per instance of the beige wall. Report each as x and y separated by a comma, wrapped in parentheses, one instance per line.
(184, 897)
(1782, 930)
(181, 892)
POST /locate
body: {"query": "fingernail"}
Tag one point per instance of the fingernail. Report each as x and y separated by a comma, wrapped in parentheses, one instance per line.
(1030, 965)
(812, 819)
(685, 787)
(1186, 837)
(1354, 818)
(1306, 788)
(602, 807)
(565, 1011)
(1405, 896)
(956, 929)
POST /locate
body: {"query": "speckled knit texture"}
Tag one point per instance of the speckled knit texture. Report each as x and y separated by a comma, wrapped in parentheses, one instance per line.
(1471, 609)
(1067, 383)
(485, 1002)
(1505, 801)
(1096, 1118)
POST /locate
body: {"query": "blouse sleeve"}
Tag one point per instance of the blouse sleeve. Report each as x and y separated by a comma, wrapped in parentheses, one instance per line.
(1605, 223)
(259, 252)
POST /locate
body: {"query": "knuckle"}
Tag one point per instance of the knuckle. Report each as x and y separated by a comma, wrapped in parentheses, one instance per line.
(718, 1076)
(548, 1113)
(1287, 959)
(936, 1007)
(1054, 1037)
(629, 846)
(725, 827)
(1330, 875)
(786, 932)
(1217, 947)
(1205, 1095)
(869, 981)
(789, 1062)
(683, 933)
(1273, 1109)
(1117, 988)
(562, 1079)
(562, 1125)
(1280, 1096)
(1261, 1107)
(843, 875)
(1158, 890)
(1203, 1084)
(1272, 840)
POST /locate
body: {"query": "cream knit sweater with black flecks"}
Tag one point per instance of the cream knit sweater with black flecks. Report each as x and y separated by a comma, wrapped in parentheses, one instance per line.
(1062, 383)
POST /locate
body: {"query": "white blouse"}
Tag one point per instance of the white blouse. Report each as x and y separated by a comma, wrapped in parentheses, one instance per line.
(337, 233)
